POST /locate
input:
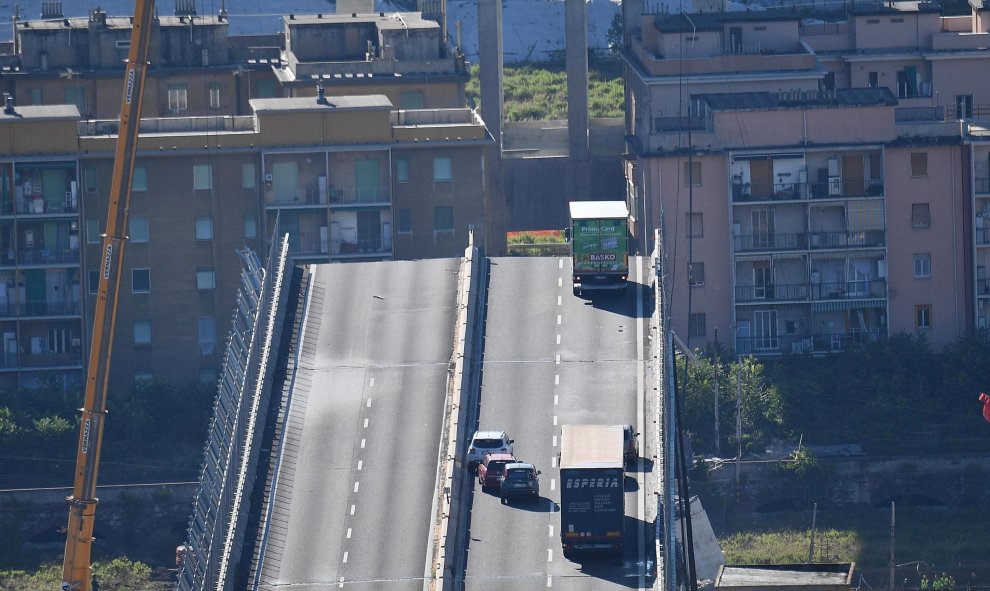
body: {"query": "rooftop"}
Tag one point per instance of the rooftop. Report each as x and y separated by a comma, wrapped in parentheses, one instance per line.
(337, 103)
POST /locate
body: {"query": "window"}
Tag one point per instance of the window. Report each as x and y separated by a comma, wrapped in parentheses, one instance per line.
(696, 274)
(921, 216)
(265, 89)
(696, 325)
(204, 227)
(75, 95)
(692, 174)
(141, 280)
(403, 221)
(142, 332)
(93, 281)
(214, 95)
(919, 164)
(695, 225)
(443, 219)
(874, 80)
(922, 265)
(206, 331)
(249, 176)
(964, 106)
(202, 177)
(412, 99)
(250, 226)
(139, 229)
(207, 375)
(92, 231)
(139, 181)
(441, 169)
(205, 278)
(92, 180)
(402, 170)
(143, 378)
(37, 96)
(923, 316)
(177, 98)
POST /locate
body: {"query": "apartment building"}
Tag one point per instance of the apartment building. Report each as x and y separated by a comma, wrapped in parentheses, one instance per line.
(198, 69)
(817, 176)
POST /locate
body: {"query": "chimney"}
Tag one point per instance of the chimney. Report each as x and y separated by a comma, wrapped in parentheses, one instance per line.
(321, 93)
(8, 104)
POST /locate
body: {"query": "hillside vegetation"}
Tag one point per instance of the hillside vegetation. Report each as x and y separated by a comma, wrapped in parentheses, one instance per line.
(538, 91)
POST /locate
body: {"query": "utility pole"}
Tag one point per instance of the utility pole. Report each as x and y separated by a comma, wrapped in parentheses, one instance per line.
(738, 421)
(893, 565)
(811, 546)
(717, 363)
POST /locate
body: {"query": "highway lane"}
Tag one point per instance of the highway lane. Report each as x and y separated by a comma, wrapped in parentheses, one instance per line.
(355, 497)
(551, 358)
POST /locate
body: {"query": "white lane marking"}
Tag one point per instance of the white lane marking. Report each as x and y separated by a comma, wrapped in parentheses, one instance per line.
(557, 359)
(558, 318)
(555, 441)
(553, 484)
(556, 399)
(352, 509)
(560, 282)
(558, 339)
(348, 533)
(553, 462)
(556, 379)
(369, 400)
(360, 465)
(356, 485)
(559, 300)
(560, 264)
(549, 555)
(549, 581)
(551, 531)
(554, 420)
(345, 557)
(366, 423)
(362, 443)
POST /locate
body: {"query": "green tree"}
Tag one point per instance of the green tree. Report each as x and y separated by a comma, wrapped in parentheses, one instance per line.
(614, 34)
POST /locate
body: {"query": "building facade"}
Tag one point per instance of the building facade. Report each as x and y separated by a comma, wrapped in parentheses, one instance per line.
(816, 176)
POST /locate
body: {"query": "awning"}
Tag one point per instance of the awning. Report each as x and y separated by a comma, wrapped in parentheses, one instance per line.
(848, 305)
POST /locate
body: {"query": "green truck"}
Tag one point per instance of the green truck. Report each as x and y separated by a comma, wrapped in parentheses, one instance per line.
(599, 235)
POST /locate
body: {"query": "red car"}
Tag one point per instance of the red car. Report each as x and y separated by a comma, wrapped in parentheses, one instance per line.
(492, 468)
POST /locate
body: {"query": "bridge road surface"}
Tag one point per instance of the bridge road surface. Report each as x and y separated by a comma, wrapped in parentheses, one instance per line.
(360, 487)
(552, 358)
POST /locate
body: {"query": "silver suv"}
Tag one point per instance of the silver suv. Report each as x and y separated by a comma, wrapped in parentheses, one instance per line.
(487, 442)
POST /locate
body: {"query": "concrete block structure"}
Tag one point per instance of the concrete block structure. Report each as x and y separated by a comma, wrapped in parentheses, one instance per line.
(819, 178)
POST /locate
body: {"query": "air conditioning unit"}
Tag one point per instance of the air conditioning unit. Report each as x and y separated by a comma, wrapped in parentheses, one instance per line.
(268, 177)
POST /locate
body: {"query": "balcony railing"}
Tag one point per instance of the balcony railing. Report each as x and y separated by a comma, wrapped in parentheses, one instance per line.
(45, 256)
(804, 343)
(982, 185)
(51, 308)
(745, 192)
(50, 359)
(368, 195)
(766, 241)
(845, 290)
(983, 235)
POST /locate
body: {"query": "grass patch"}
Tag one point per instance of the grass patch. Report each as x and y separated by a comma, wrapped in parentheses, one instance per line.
(537, 91)
(943, 540)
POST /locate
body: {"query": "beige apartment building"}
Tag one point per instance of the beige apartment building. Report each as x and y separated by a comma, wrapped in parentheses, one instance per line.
(348, 177)
(821, 179)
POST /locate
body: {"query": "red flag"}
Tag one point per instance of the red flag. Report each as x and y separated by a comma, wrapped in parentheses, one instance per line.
(986, 406)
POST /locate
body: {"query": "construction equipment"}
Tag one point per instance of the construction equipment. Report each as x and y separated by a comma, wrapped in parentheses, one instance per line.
(76, 575)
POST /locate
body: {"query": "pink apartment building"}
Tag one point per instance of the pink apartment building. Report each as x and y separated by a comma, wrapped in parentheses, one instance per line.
(820, 179)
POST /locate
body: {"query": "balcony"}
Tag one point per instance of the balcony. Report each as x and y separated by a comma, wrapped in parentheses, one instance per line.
(833, 189)
(45, 256)
(982, 185)
(360, 196)
(803, 292)
(41, 360)
(766, 241)
(982, 236)
(804, 343)
(51, 308)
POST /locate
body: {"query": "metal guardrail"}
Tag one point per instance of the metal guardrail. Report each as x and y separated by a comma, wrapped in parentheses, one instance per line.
(216, 528)
(663, 371)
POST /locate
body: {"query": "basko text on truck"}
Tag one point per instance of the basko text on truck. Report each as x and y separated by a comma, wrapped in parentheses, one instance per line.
(599, 235)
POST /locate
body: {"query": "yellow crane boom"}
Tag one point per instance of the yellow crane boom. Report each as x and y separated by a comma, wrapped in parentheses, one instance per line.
(76, 575)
